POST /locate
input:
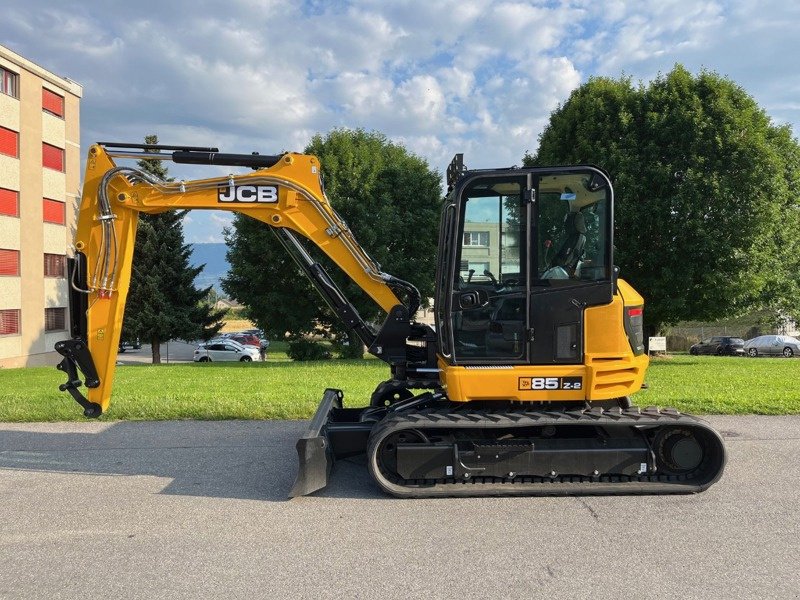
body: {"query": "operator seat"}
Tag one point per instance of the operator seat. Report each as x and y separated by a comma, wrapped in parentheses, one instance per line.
(572, 249)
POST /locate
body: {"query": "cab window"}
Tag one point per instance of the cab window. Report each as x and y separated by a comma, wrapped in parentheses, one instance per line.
(491, 265)
(573, 228)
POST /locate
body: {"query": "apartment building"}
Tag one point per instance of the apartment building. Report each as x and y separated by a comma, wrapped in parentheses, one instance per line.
(39, 187)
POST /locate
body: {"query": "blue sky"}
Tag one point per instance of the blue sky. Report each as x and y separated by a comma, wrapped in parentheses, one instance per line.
(442, 77)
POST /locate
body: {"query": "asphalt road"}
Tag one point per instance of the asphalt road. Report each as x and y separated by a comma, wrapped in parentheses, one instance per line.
(199, 510)
(174, 351)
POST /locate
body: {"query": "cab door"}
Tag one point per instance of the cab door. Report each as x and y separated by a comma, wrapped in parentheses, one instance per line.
(486, 313)
(571, 260)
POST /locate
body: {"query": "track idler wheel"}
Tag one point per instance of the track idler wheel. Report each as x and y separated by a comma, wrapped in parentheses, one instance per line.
(678, 450)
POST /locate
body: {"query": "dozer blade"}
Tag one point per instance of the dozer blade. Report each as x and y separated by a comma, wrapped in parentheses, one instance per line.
(334, 432)
(313, 449)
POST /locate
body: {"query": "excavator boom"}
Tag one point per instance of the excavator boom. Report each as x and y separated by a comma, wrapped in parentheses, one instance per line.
(285, 192)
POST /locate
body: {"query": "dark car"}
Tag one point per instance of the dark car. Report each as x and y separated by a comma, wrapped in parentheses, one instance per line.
(721, 345)
(125, 345)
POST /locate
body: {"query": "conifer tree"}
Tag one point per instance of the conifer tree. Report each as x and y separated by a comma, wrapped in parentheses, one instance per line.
(163, 302)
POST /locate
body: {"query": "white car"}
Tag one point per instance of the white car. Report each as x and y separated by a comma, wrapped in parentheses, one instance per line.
(225, 350)
(780, 345)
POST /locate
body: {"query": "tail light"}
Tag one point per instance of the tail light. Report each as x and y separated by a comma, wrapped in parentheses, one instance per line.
(633, 319)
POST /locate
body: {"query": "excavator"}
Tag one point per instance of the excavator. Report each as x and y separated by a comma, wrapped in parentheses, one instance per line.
(521, 386)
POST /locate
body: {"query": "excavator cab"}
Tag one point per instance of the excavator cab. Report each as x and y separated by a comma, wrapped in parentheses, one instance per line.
(523, 254)
(538, 349)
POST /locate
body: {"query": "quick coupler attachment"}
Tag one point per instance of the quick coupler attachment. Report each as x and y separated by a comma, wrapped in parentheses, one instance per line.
(76, 356)
(334, 432)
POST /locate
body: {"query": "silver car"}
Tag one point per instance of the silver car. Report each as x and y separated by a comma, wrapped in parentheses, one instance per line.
(225, 350)
(774, 345)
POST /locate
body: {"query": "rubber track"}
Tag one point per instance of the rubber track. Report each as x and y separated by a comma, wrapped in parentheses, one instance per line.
(538, 486)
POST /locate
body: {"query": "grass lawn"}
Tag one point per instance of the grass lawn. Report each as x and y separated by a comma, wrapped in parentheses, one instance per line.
(723, 385)
(280, 389)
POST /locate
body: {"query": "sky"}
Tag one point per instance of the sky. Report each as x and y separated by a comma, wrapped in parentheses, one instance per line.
(438, 77)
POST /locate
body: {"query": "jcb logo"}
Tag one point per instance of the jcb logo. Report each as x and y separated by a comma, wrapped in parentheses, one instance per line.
(248, 193)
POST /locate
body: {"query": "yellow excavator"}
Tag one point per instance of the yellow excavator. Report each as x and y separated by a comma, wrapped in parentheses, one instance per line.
(521, 387)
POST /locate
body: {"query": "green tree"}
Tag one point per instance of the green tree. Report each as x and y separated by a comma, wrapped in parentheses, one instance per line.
(212, 297)
(391, 201)
(278, 297)
(163, 302)
(706, 189)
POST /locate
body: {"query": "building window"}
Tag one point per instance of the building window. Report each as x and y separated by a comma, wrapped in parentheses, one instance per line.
(54, 265)
(52, 103)
(476, 238)
(9, 262)
(9, 321)
(9, 202)
(54, 211)
(9, 142)
(53, 157)
(55, 319)
(477, 269)
(9, 83)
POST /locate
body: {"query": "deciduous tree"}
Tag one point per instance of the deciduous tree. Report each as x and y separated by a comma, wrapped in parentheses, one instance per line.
(706, 189)
(391, 201)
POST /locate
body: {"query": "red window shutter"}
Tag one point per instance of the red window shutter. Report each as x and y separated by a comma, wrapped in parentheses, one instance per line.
(9, 262)
(9, 142)
(52, 157)
(52, 102)
(9, 202)
(9, 321)
(53, 211)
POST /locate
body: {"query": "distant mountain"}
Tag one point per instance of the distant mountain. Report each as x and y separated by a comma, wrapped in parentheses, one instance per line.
(213, 256)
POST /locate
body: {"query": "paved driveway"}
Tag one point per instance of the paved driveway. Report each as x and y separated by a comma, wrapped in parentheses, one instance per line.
(174, 351)
(199, 510)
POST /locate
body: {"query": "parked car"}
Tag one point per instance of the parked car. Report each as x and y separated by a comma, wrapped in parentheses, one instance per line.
(225, 350)
(125, 345)
(246, 339)
(719, 345)
(775, 345)
(259, 333)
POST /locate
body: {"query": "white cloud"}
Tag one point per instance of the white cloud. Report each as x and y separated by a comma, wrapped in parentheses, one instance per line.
(456, 83)
(472, 76)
